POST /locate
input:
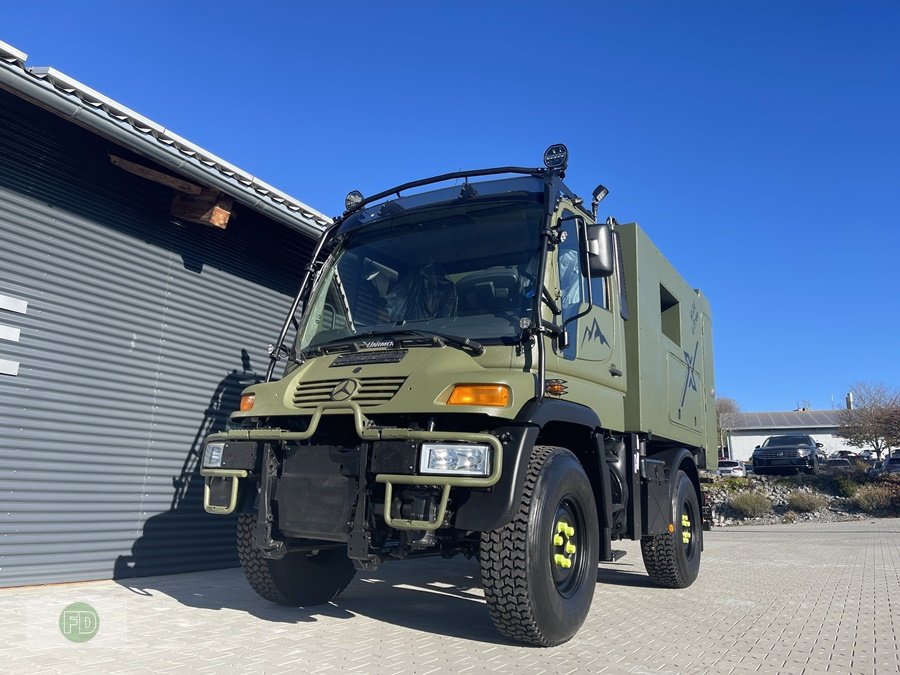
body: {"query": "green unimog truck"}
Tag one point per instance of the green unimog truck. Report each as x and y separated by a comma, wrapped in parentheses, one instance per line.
(480, 369)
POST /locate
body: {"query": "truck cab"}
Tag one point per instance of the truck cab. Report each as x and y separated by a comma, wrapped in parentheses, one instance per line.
(481, 369)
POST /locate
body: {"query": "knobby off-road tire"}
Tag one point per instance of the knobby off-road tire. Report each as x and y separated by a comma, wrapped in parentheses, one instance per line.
(673, 559)
(297, 579)
(532, 594)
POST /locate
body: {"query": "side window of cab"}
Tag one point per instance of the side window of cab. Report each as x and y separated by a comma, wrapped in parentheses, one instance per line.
(573, 279)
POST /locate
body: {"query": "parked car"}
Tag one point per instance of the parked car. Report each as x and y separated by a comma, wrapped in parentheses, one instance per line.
(891, 465)
(788, 454)
(731, 467)
(840, 464)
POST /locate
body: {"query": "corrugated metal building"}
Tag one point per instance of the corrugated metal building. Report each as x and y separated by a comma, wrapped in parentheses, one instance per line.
(747, 430)
(126, 332)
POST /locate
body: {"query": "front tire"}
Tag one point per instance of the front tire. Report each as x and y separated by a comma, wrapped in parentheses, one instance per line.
(298, 579)
(539, 571)
(673, 559)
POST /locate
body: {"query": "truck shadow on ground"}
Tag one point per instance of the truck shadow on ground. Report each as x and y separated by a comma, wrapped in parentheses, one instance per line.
(616, 574)
(435, 596)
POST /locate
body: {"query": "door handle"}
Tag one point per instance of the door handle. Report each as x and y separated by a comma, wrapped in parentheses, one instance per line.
(615, 372)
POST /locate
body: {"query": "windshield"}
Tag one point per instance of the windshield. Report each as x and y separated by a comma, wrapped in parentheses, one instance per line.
(460, 270)
(779, 441)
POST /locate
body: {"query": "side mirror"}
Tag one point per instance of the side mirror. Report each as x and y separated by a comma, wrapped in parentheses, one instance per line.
(600, 250)
(819, 445)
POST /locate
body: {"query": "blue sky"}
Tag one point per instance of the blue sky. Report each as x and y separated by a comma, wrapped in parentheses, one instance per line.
(758, 142)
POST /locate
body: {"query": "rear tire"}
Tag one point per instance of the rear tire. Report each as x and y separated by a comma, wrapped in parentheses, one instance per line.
(539, 571)
(673, 559)
(298, 579)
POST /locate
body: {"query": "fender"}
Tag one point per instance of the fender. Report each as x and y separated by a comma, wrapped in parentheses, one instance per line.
(674, 459)
(484, 511)
(680, 458)
(545, 410)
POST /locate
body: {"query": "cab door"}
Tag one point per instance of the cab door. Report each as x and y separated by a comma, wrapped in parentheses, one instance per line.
(595, 350)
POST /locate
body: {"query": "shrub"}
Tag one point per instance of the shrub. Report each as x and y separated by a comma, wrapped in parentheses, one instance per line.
(751, 504)
(873, 497)
(845, 487)
(806, 502)
(861, 467)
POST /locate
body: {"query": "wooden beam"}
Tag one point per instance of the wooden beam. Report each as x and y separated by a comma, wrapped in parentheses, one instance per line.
(211, 207)
(156, 176)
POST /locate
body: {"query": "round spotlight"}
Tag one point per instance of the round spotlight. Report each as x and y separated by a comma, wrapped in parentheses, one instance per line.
(352, 200)
(556, 156)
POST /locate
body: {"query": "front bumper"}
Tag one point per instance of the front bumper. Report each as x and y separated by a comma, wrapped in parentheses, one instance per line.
(221, 484)
(782, 464)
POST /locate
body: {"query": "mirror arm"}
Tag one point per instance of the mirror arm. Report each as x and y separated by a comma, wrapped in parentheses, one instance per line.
(551, 303)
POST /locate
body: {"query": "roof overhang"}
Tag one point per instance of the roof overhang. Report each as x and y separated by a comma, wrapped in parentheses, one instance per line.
(781, 421)
(68, 98)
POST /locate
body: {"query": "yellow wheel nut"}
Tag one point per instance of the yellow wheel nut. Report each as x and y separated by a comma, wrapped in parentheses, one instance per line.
(570, 531)
(570, 548)
(560, 560)
(562, 526)
(558, 540)
(566, 563)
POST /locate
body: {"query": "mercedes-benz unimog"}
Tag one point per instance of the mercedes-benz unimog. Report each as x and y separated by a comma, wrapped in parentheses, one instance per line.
(480, 369)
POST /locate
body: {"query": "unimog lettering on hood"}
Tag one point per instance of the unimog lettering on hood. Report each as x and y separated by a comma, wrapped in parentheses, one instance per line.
(483, 369)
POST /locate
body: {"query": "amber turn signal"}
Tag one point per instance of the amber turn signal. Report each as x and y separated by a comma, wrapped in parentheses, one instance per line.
(480, 394)
(556, 387)
(247, 401)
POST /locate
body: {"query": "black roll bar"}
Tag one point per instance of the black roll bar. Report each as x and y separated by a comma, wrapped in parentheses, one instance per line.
(440, 179)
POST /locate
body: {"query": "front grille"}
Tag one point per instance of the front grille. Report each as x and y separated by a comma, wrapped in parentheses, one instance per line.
(777, 453)
(372, 391)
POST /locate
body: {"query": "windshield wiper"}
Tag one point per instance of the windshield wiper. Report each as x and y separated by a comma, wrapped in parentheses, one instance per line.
(351, 342)
(341, 344)
(463, 343)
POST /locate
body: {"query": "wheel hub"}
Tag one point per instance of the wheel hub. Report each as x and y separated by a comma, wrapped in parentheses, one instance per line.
(685, 529)
(564, 547)
(568, 548)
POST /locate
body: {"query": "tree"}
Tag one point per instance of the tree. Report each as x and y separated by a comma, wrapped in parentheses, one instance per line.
(726, 412)
(874, 420)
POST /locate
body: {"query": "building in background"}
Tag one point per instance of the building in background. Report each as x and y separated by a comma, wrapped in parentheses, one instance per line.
(141, 278)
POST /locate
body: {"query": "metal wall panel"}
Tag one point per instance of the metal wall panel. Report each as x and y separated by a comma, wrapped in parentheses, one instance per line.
(135, 342)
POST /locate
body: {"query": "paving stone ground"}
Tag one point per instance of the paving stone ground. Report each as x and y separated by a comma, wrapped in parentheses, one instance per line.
(804, 598)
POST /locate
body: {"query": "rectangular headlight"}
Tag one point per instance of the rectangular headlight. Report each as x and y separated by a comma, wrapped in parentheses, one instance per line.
(455, 459)
(212, 455)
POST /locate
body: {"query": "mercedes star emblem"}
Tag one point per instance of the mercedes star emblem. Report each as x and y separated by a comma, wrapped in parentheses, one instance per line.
(344, 390)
